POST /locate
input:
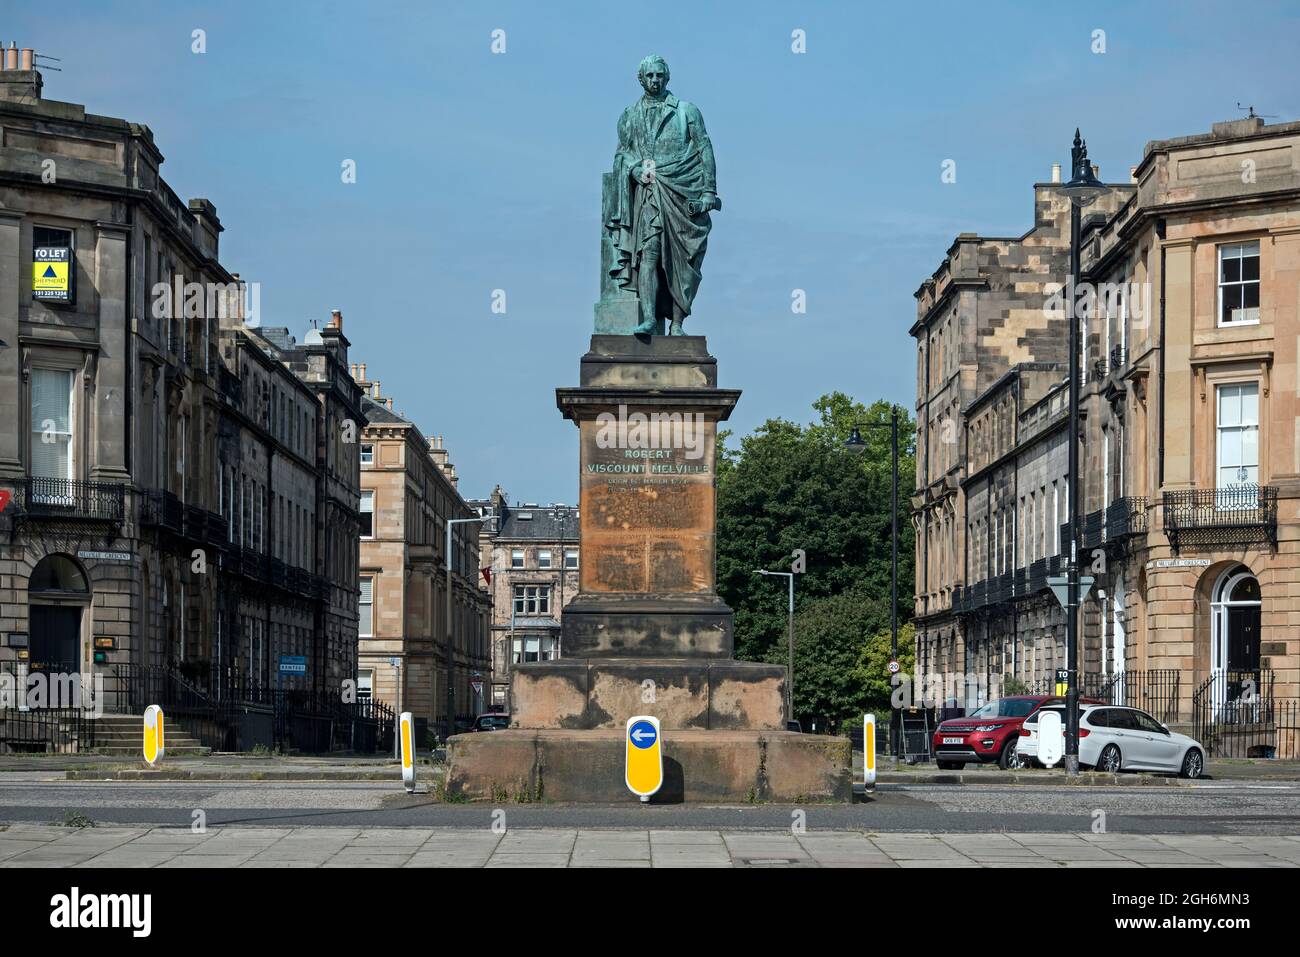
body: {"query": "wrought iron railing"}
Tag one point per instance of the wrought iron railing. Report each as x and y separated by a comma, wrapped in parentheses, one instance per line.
(1236, 715)
(1125, 517)
(221, 710)
(1154, 691)
(1235, 514)
(39, 496)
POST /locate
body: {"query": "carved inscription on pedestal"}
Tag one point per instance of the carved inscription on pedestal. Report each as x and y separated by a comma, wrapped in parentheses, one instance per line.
(647, 512)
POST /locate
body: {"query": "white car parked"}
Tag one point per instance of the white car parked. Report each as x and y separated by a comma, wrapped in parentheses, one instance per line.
(1113, 738)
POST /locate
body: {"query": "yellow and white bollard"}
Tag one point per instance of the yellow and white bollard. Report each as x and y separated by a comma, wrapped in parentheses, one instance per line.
(643, 768)
(154, 744)
(869, 750)
(406, 732)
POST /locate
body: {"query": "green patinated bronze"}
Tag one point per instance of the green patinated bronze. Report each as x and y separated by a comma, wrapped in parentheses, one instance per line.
(655, 211)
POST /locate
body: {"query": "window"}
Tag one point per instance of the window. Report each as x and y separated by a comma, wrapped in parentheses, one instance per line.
(1238, 435)
(532, 599)
(516, 558)
(366, 607)
(367, 514)
(365, 684)
(1238, 283)
(180, 454)
(51, 424)
(543, 558)
(536, 648)
(367, 454)
(570, 558)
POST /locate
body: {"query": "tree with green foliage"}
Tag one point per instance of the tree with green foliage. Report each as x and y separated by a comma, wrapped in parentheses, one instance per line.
(789, 487)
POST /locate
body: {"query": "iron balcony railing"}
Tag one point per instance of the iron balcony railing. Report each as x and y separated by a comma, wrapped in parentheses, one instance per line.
(1233, 515)
(43, 497)
(1125, 517)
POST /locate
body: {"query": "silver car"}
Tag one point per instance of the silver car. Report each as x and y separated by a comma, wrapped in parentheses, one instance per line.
(1114, 738)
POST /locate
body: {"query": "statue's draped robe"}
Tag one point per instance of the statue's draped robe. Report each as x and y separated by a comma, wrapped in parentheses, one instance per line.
(670, 132)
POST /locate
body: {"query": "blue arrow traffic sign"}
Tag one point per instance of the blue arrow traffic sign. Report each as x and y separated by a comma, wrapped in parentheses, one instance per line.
(643, 734)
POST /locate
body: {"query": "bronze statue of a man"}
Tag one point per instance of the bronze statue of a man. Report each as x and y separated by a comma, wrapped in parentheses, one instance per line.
(665, 185)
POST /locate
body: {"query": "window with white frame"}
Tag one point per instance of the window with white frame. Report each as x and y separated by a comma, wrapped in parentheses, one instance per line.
(365, 684)
(367, 513)
(51, 424)
(516, 558)
(1237, 453)
(536, 648)
(532, 599)
(366, 607)
(570, 558)
(367, 454)
(1239, 283)
(543, 558)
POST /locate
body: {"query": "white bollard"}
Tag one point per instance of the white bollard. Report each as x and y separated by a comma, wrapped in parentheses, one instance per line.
(869, 750)
(406, 732)
(154, 741)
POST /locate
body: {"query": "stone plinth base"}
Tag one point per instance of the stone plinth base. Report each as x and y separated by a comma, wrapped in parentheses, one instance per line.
(647, 626)
(587, 767)
(590, 693)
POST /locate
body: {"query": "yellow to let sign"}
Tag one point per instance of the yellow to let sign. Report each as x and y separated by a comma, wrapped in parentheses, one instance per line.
(51, 273)
(644, 766)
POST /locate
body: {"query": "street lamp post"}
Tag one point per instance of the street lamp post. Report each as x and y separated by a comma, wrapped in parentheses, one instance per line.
(789, 684)
(1083, 189)
(451, 650)
(855, 443)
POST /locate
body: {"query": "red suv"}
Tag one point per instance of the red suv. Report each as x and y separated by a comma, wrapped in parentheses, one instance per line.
(989, 733)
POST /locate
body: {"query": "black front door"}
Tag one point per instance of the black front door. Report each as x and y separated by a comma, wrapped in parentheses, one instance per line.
(1243, 639)
(55, 642)
(1243, 653)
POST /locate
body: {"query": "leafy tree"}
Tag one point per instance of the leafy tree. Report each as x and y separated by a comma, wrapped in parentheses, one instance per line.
(788, 487)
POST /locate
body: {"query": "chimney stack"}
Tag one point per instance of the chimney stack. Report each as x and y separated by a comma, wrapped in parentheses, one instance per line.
(20, 81)
(1096, 171)
(1056, 172)
(336, 320)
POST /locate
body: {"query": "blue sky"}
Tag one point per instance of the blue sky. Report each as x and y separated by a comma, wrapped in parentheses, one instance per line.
(479, 171)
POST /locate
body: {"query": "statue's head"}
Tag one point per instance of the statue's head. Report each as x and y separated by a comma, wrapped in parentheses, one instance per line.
(653, 74)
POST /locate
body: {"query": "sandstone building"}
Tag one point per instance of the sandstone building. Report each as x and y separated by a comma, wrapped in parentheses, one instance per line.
(183, 482)
(409, 491)
(534, 574)
(1189, 456)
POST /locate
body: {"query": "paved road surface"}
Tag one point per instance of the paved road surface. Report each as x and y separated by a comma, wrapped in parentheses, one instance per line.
(1219, 808)
(37, 845)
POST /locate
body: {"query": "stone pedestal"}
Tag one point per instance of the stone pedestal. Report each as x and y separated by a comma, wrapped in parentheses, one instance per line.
(647, 633)
(587, 767)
